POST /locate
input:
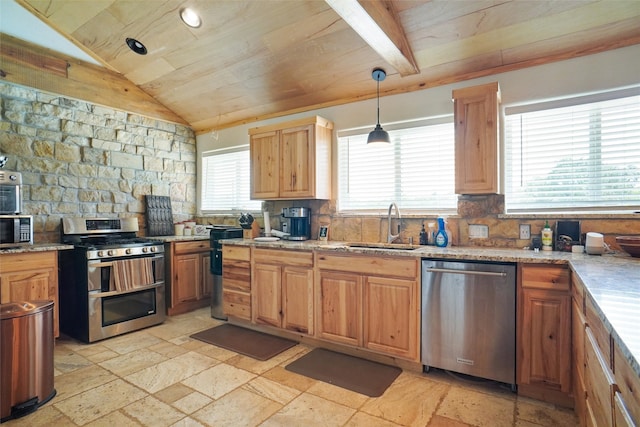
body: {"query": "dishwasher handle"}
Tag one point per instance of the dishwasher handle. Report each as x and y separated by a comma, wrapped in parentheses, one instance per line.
(468, 272)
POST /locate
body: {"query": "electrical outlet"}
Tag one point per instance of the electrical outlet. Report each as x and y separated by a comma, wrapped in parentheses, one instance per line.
(525, 231)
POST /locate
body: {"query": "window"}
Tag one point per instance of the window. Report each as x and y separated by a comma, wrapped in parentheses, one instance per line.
(416, 170)
(225, 181)
(574, 155)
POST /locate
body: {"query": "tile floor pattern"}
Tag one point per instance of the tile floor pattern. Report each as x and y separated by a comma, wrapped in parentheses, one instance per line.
(161, 377)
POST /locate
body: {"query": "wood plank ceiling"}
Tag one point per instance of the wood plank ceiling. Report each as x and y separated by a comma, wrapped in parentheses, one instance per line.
(251, 60)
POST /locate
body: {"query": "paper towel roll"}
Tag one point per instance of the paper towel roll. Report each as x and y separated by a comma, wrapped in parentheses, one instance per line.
(267, 226)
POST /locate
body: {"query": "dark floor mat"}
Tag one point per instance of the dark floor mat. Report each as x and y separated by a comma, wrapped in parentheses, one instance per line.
(355, 374)
(245, 341)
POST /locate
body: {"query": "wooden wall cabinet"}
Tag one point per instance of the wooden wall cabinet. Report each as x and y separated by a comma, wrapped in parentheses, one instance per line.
(544, 333)
(282, 289)
(291, 160)
(236, 282)
(30, 276)
(190, 281)
(476, 139)
(369, 302)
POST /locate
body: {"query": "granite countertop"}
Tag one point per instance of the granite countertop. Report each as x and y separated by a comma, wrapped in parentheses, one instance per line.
(38, 247)
(168, 239)
(611, 280)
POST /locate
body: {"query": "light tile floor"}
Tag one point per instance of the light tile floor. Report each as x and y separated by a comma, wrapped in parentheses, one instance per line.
(161, 377)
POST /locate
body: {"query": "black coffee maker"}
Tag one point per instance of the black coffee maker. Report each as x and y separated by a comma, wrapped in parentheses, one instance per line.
(297, 222)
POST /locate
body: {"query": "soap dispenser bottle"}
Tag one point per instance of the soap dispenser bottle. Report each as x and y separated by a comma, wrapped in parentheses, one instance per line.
(441, 236)
(424, 240)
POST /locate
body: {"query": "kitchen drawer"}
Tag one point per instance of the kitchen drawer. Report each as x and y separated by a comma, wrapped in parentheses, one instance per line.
(599, 383)
(628, 383)
(191, 247)
(542, 276)
(236, 275)
(283, 257)
(370, 265)
(240, 253)
(600, 333)
(236, 304)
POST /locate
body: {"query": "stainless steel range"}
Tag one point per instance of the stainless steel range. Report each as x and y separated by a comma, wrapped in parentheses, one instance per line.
(112, 282)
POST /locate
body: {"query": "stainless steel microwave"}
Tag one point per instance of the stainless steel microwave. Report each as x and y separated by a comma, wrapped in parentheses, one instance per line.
(10, 201)
(16, 230)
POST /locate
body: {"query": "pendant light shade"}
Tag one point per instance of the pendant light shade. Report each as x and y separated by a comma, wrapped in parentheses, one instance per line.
(378, 134)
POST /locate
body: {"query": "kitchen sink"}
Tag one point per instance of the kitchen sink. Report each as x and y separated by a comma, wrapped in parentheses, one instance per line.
(398, 246)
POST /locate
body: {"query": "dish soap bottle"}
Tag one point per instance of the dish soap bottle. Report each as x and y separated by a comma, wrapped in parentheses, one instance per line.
(441, 236)
(547, 237)
(424, 240)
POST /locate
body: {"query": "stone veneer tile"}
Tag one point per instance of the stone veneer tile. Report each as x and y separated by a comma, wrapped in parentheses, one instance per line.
(188, 422)
(271, 390)
(361, 419)
(129, 363)
(290, 379)
(192, 402)
(539, 413)
(338, 394)
(80, 380)
(238, 408)
(116, 418)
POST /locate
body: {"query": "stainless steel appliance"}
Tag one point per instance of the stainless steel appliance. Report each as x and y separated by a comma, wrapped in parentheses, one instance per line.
(26, 352)
(297, 222)
(16, 230)
(218, 233)
(112, 282)
(469, 318)
(10, 197)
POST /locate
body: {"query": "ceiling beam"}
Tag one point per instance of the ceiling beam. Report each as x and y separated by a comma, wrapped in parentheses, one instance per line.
(377, 22)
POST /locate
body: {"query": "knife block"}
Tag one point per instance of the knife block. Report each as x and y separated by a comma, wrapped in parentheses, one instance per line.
(252, 232)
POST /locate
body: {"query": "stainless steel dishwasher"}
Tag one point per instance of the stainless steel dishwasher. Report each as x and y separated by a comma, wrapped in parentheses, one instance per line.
(469, 318)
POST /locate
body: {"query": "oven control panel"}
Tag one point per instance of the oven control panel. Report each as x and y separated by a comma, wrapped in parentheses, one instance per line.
(124, 252)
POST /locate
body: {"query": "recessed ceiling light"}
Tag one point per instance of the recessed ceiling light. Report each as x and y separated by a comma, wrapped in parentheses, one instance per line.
(190, 17)
(136, 46)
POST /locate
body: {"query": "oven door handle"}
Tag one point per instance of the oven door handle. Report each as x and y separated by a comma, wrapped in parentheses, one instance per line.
(128, 291)
(467, 272)
(109, 263)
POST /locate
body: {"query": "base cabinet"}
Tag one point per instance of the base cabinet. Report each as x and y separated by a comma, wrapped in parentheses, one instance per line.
(544, 338)
(190, 279)
(282, 289)
(370, 302)
(29, 277)
(236, 282)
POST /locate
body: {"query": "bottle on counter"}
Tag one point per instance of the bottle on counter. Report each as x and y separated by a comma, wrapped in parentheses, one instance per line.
(442, 240)
(424, 239)
(432, 234)
(547, 237)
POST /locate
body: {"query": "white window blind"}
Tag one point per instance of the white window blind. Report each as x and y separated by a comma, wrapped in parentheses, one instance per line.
(584, 156)
(416, 170)
(225, 181)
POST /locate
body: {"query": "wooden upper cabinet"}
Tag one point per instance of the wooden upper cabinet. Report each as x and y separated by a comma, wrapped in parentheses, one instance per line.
(476, 139)
(291, 160)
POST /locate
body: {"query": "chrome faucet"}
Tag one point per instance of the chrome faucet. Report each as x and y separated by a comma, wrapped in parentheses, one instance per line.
(392, 237)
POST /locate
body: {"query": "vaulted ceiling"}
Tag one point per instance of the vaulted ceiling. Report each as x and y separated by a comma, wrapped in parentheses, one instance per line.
(251, 60)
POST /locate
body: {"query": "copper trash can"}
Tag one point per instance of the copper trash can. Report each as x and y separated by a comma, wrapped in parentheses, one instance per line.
(26, 357)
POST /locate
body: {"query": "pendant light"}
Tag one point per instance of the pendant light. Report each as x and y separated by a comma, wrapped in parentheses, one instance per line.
(378, 134)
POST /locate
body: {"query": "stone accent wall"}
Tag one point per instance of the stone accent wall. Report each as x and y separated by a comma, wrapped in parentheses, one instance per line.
(82, 159)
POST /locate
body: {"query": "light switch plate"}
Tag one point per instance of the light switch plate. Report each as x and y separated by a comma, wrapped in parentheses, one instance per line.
(478, 231)
(525, 231)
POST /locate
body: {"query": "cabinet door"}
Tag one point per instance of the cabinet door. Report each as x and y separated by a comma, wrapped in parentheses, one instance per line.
(599, 382)
(579, 391)
(546, 344)
(267, 296)
(476, 139)
(297, 300)
(340, 307)
(265, 165)
(297, 174)
(27, 286)
(186, 278)
(390, 318)
(207, 278)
